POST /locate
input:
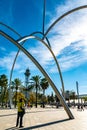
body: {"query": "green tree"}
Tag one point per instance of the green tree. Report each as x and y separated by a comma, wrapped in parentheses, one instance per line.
(3, 85)
(72, 95)
(44, 85)
(52, 97)
(85, 98)
(32, 98)
(36, 79)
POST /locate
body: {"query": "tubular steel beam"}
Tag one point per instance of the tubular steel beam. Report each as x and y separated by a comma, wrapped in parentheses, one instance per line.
(55, 59)
(62, 16)
(11, 72)
(44, 5)
(10, 29)
(43, 72)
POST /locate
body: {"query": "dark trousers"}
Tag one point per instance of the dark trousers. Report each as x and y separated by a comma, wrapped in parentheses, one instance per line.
(19, 118)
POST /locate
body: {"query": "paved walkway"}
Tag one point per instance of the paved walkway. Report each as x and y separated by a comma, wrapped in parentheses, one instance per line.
(44, 119)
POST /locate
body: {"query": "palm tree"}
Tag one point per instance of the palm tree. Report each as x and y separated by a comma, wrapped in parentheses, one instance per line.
(17, 83)
(36, 80)
(44, 84)
(3, 85)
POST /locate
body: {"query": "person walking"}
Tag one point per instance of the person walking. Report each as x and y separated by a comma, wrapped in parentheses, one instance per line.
(20, 113)
(82, 107)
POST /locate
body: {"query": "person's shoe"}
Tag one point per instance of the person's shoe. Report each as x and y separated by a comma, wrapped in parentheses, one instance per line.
(21, 126)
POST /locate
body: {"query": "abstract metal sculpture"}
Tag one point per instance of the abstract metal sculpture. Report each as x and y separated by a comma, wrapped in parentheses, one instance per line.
(43, 72)
(34, 35)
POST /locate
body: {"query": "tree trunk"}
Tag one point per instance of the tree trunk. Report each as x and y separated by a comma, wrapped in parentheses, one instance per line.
(43, 98)
(36, 95)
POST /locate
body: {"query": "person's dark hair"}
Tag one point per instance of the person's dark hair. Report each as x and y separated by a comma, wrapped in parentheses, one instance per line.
(20, 100)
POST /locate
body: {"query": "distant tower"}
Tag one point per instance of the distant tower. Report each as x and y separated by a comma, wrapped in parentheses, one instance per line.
(77, 92)
(27, 74)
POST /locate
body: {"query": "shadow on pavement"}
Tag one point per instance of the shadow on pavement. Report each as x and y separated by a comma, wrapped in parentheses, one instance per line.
(39, 126)
(43, 125)
(8, 115)
(12, 128)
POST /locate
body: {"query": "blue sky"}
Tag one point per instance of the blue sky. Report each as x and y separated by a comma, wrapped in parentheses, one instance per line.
(68, 39)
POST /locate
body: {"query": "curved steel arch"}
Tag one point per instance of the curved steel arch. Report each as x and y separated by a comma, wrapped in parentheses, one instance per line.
(13, 61)
(18, 53)
(10, 29)
(44, 5)
(56, 61)
(62, 16)
(44, 44)
(19, 49)
(43, 72)
(37, 32)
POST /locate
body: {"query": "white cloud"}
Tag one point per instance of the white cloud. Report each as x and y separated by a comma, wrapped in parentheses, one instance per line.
(69, 30)
(7, 61)
(70, 4)
(41, 54)
(22, 62)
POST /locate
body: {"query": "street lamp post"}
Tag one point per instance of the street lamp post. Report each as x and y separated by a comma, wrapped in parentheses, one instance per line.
(77, 92)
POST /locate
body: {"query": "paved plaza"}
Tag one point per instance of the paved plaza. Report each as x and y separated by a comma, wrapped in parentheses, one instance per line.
(44, 119)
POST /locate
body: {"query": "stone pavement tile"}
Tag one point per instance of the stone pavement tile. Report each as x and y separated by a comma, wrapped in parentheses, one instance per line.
(7, 118)
(44, 119)
(77, 123)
